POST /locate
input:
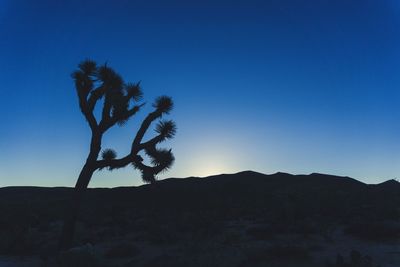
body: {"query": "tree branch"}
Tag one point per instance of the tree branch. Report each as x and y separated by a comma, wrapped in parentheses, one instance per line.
(105, 115)
(106, 124)
(143, 128)
(95, 95)
(152, 142)
(136, 145)
(118, 163)
(83, 104)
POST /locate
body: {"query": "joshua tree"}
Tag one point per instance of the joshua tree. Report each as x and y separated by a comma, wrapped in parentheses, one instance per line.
(120, 101)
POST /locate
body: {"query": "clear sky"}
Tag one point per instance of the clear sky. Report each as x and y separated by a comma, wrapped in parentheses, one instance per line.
(293, 86)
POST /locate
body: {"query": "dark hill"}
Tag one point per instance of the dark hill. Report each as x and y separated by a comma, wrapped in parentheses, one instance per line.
(227, 195)
(177, 209)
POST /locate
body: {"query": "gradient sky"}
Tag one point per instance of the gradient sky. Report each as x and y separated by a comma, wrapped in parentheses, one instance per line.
(293, 86)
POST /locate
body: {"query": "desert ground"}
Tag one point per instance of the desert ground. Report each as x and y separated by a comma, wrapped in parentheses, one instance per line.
(243, 219)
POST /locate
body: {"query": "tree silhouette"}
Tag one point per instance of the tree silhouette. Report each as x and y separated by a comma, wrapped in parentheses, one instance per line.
(96, 85)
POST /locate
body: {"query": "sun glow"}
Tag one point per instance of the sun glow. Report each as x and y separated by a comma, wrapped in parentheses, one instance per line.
(209, 161)
(211, 168)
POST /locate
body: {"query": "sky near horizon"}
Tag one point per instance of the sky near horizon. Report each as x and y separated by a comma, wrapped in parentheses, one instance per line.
(292, 86)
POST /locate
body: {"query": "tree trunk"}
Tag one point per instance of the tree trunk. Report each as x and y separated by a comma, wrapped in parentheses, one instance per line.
(67, 235)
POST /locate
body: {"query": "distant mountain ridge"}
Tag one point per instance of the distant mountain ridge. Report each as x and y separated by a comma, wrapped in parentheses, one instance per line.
(249, 188)
(243, 185)
(250, 176)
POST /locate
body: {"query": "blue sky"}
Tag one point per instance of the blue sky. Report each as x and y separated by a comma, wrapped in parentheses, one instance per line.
(292, 86)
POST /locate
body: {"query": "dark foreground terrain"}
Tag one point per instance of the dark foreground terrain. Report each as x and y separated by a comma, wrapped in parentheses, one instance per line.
(239, 220)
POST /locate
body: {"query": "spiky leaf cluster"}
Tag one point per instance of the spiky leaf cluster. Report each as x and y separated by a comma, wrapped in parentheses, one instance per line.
(166, 129)
(110, 78)
(148, 176)
(134, 91)
(108, 154)
(88, 67)
(163, 104)
(162, 159)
